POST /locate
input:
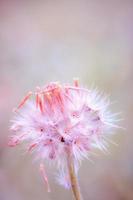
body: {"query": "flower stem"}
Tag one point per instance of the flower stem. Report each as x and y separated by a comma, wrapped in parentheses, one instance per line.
(73, 179)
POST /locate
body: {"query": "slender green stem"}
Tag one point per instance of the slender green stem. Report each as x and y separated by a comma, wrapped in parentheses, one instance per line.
(74, 182)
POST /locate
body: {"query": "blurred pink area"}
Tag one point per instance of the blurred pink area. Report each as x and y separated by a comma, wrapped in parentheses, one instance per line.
(42, 41)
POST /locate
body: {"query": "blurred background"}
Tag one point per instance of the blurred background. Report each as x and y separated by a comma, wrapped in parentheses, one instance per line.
(42, 41)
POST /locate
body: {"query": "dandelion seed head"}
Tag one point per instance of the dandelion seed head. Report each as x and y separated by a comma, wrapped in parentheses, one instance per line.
(60, 118)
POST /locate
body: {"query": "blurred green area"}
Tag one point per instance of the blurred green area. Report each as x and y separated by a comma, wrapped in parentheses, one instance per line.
(42, 41)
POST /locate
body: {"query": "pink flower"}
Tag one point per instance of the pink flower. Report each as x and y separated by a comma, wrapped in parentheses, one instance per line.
(59, 119)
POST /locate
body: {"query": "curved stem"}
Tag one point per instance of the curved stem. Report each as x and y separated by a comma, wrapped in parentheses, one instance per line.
(74, 182)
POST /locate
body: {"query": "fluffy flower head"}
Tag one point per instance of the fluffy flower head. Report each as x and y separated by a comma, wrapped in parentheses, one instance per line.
(57, 119)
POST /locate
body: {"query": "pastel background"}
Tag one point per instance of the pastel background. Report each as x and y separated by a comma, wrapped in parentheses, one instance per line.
(42, 41)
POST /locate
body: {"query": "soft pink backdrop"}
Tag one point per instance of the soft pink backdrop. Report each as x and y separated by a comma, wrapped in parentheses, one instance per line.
(42, 41)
